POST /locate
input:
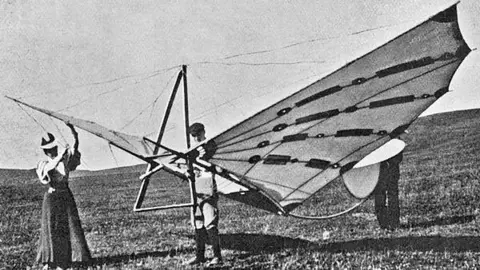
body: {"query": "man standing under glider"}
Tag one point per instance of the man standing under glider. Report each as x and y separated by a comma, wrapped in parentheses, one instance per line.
(206, 213)
(387, 207)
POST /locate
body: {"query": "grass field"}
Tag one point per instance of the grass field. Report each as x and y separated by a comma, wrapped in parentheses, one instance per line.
(440, 204)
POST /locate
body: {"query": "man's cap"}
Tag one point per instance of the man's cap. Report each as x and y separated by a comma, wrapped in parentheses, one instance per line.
(48, 143)
(195, 129)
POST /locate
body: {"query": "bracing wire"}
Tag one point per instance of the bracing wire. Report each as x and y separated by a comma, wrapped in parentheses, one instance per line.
(231, 102)
(85, 164)
(33, 118)
(66, 142)
(157, 72)
(295, 44)
(113, 155)
(89, 98)
(261, 64)
(161, 93)
(44, 129)
(146, 75)
(59, 132)
(214, 101)
(300, 20)
(152, 105)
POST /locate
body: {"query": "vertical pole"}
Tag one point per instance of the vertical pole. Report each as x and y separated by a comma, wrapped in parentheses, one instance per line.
(193, 192)
(185, 99)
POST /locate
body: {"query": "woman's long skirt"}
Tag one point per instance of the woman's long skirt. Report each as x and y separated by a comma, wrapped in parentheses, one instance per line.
(62, 240)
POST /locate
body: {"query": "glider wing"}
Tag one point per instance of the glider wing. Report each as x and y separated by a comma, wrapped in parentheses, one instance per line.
(136, 146)
(295, 147)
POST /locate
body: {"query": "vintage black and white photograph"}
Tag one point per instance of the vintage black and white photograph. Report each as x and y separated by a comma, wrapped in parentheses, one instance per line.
(239, 134)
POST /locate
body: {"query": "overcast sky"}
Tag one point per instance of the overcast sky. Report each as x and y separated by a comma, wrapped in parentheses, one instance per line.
(107, 61)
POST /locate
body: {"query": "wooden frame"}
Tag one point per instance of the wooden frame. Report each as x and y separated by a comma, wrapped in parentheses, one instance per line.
(154, 167)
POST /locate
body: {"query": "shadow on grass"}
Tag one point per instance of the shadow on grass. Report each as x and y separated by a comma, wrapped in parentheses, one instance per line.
(424, 243)
(257, 243)
(128, 257)
(261, 243)
(251, 243)
(440, 221)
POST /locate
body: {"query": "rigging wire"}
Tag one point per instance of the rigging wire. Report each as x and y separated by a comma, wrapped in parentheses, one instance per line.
(295, 44)
(84, 163)
(89, 98)
(215, 110)
(59, 132)
(149, 75)
(215, 105)
(156, 73)
(260, 64)
(113, 155)
(152, 105)
(105, 92)
(303, 13)
(146, 75)
(161, 93)
(33, 118)
(46, 131)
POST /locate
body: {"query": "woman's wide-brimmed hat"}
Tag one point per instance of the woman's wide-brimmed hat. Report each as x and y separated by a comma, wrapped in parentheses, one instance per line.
(48, 143)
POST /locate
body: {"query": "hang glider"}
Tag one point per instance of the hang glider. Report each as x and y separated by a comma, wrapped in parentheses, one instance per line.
(281, 156)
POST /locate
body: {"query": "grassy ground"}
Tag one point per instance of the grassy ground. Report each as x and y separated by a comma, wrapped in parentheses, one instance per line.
(440, 204)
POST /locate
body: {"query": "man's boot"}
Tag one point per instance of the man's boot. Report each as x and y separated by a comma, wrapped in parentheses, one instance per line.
(200, 240)
(215, 241)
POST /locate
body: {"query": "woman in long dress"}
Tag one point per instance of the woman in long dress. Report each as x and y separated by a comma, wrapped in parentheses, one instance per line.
(62, 241)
